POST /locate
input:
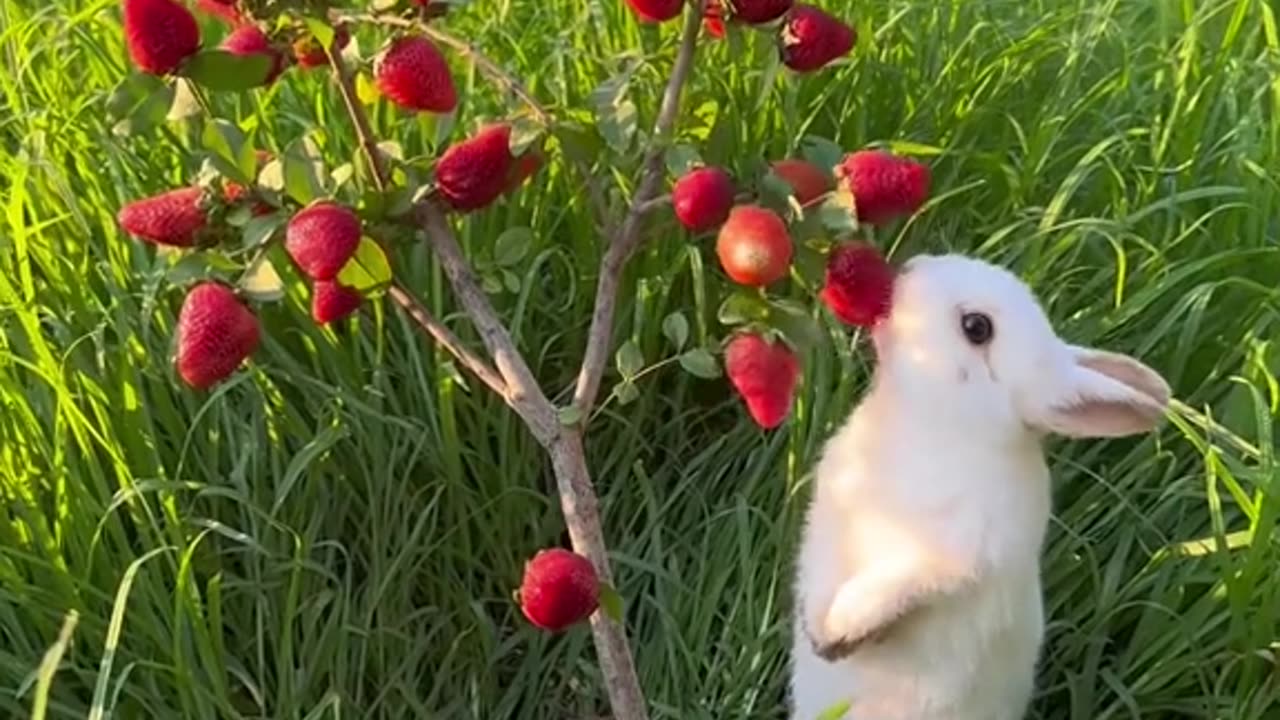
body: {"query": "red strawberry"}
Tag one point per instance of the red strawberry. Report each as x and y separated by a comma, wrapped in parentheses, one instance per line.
(250, 40)
(702, 198)
(859, 284)
(332, 301)
(765, 375)
(473, 173)
(811, 38)
(656, 11)
(808, 182)
(173, 218)
(757, 12)
(160, 34)
(753, 246)
(321, 238)
(415, 76)
(884, 186)
(522, 169)
(309, 54)
(713, 19)
(225, 10)
(559, 590)
(216, 333)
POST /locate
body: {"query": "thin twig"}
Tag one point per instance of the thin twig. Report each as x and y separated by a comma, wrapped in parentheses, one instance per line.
(623, 245)
(364, 132)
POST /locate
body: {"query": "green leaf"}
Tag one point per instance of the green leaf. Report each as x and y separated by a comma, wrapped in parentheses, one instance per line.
(700, 363)
(618, 125)
(626, 392)
(191, 266)
(837, 711)
(821, 152)
(260, 229)
(185, 104)
(525, 131)
(512, 246)
(511, 281)
(368, 271)
(491, 282)
(140, 105)
(839, 214)
(303, 171)
(741, 307)
(366, 91)
(629, 359)
(811, 264)
(611, 602)
(681, 159)
(221, 71)
(570, 416)
(226, 144)
(795, 323)
(130, 92)
(261, 282)
(676, 328)
(579, 144)
(323, 31)
(905, 147)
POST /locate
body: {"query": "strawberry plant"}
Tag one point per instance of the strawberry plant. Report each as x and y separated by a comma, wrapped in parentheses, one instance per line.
(253, 221)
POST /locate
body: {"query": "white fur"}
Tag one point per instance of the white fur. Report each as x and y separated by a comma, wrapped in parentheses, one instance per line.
(932, 502)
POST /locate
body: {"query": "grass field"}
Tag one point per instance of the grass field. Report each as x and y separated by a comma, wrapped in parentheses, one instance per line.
(336, 533)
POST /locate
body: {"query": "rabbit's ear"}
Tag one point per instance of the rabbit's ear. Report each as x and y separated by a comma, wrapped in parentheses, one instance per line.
(1102, 394)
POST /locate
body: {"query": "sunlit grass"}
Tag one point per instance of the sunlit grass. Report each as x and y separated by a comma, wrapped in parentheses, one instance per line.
(336, 534)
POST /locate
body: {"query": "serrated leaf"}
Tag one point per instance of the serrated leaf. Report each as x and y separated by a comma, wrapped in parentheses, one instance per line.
(258, 230)
(611, 602)
(570, 416)
(699, 362)
(368, 271)
(222, 71)
(225, 143)
(676, 328)
(681, 159)
(821, 152)
(303, 171)
(261, 282)
(629, 359)
(512, 246)
(185, 104)
(742, 307)
(626, 392)
(525, 132)
(366, 90)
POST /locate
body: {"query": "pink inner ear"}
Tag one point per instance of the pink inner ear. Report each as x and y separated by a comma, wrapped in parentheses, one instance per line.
(1092, 417)
(1109, 395)
(1127, 371)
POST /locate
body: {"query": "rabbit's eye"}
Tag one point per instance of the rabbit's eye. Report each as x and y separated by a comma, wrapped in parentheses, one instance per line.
(977, 328)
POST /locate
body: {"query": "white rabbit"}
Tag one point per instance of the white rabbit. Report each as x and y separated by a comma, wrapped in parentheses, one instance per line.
(918, 581)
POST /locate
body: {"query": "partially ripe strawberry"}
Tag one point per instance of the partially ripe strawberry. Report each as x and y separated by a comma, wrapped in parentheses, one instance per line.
(321, 238)
(310, 54)
(884, 186)
(713, 19)
(808, 182)
(859, 284)
(656, 11)
(472, 173)
(757, 12)
(173, 218)
(560, 589)
(226, 10)
(415, 76)
(753, 246)
(332, 301)
(249, 40)
(811, 38)
(765, 375)
(160, 34)
(216, 333)
(702, 198)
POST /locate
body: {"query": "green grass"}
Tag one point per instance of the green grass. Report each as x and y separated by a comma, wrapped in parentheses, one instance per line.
(337, 532)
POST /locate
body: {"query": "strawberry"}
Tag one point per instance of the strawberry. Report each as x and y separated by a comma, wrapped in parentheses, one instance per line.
(415, 76)
(859, 284)
(656, 11)
(474, 172)
(332, 301)
(251, 40)
(811, 38)
(758, 12)
(702, 198)
(175, 218)
(884, 186)
(160, 34)
(225, 10)
(216, 333)
(309, 54)
(560, 589)
(753, 246)
(765, 375)
(321, 238)
(808, 182)
(713, 19)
